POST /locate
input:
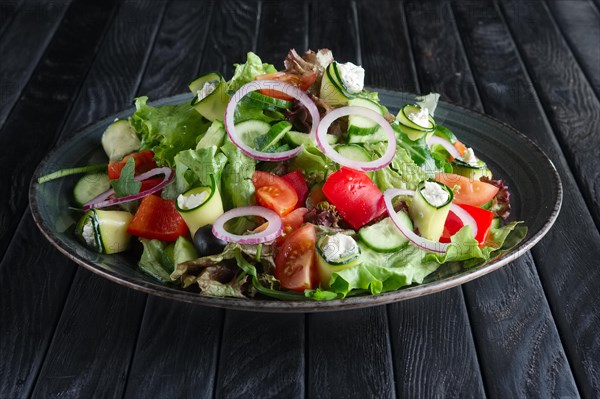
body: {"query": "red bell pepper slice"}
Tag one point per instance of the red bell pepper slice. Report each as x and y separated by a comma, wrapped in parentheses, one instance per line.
(356, 197)
(144, 161)
(157, 218)
(296, 180)
(482, 217)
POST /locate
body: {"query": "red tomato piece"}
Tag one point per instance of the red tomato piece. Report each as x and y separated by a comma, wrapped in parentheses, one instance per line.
(482, 217)
(302, 81)
(295, 266)
(144, 161)
(157, 218)
(356, 197)
(274, 193)
(316, 196)
(471, 192)
(296, 180)
(291, 222)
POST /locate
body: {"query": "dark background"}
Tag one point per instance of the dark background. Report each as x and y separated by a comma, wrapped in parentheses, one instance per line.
(530, 329)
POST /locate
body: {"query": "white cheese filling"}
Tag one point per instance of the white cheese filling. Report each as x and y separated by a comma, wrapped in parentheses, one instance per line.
(338, 246)
(206, 89)
(324, 58)
(88, 234)
(434, 194)
(469, 157)
(191, 201)
(421, 117)
(353, 77)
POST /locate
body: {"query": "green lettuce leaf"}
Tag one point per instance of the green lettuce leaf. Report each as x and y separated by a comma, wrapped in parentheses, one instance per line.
(245, 112)
(246, 72)
(194, 167)
(236, 184)
(403, 172)
(313, 164)
(157, 259)
(167, 129)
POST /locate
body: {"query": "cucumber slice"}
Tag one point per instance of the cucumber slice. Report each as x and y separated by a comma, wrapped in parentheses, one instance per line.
(384, 236)
(266, 102)
(215, 135)
(328, 267)
(375, 137)
(359, 125)
(119, 139)
(403, 118)
(249, 130)
(354, 152)
(203, 213)
(212, 105)
(89, 187)
(474, 172)
(332, 91)
(298, 138)
(429, 218)
(268, 141)
(412, 134)
(104, 231)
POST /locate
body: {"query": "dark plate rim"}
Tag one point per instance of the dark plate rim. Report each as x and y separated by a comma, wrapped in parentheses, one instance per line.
(263, 305)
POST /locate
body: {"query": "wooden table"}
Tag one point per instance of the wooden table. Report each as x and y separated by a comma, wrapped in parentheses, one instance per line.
(531, 329)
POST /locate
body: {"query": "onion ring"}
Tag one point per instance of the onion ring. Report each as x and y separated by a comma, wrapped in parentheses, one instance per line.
(273, 230)
(446, 144)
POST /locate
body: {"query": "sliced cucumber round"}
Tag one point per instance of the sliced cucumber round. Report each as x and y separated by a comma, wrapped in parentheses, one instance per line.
(119, 139)
(359, 125)
(89, 187)
(249, 130)
(268, 141)
(298, 138)
(384, 236)
(266, 102)
(354, 152)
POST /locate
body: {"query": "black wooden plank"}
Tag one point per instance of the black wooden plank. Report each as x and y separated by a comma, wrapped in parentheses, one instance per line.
(32, 297)
(567, 258)
(48, 97)
(188, 335)
(39, 19)
(262, 354)
(179, 48)
(100, 320)
(579, 22)
(8, 9)
(348, 352)
(388, 55)
(349, 355)
(512, 294)
(570, 103)
(332, 25)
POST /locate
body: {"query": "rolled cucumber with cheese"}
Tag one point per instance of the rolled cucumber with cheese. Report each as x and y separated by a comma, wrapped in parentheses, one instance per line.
(335, 253)
(211, 96)
(200, 206)
(104, 231)
(429, 208)
(470, 166)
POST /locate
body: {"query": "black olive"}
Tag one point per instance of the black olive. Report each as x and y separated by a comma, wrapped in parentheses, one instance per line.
(206, 243)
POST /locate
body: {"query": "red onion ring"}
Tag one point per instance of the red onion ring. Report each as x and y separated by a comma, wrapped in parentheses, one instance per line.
(283, 87)
(273, 230)
(444, 143)
(429, 245)
(328, 150)
(102, 200)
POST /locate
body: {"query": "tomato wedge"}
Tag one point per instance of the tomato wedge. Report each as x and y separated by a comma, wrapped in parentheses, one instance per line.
(356, 197)
(471, 192)
(274, 193)
(482, 217)
(157, 218)
(295, 266)
(144, 161)
(302, 81)
(296, 180)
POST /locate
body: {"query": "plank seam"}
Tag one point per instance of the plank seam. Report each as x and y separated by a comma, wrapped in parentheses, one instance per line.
(205, 40)
(37, 62)
(577, 378)
(134, 347)
(567, 43)
(411, 56)
(219, 353)
(548, 121)
(390, 351)
(357, 32)
(306, 356)
(4, 28)
(257, 26)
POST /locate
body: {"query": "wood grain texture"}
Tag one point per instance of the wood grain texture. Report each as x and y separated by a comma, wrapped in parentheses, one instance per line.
(33, 288)
(278, 33)
(570, 103)
(579, 22)
(8, 9)
(95, 333)
(333, 25)
(390, 58)
(49, 95)
(531, 358)
(100, 321)
(178, 50)
(567, 258)
(433, 349)
(236, 24)
(39, 19)
(262, 355)
(350, 355)
(176, 352)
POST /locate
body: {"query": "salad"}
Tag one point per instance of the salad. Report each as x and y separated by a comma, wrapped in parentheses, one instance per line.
(291, 184)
